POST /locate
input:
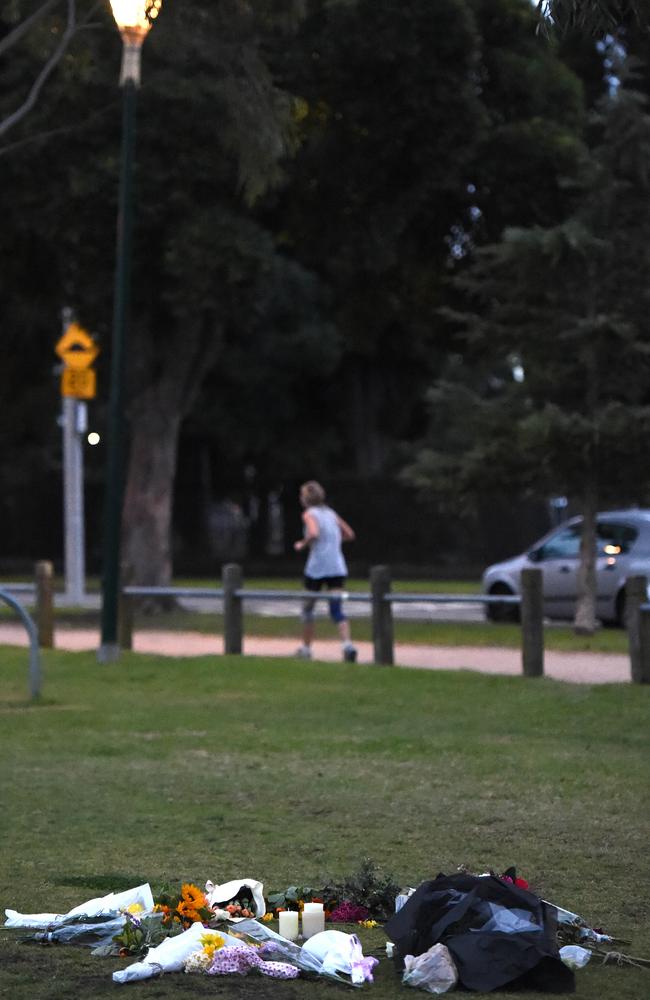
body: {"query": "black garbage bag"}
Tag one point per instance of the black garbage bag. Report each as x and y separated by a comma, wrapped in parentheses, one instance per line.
(498, 934)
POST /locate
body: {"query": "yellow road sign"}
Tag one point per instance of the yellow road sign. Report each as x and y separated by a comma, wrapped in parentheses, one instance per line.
(77, 348)
(80, 383)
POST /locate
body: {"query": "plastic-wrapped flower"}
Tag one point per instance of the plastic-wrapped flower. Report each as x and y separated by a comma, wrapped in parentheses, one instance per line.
(211, 942)
(134, 908)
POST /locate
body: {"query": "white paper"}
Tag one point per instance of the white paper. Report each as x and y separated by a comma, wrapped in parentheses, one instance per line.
(107, 906)
(169, 956)
(217, 894)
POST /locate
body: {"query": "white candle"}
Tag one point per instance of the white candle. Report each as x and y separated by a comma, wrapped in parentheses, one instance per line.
(289, 924)
(313, 919)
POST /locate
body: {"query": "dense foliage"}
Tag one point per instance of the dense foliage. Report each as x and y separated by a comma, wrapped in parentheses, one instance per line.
(309, 175)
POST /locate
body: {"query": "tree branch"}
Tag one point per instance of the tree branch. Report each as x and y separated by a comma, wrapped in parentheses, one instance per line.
(52, 62)
(22, 28)
(53, 133)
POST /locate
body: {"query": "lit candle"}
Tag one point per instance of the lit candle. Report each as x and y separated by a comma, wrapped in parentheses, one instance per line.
(289, 924)
(313, 919)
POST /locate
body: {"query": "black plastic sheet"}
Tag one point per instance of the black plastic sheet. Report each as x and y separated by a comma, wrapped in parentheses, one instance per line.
(498, 934)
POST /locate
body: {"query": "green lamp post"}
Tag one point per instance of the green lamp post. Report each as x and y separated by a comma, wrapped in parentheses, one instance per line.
(134, 19)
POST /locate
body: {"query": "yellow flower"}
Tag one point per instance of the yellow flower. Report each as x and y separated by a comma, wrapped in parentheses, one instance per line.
(134, 908)
(369, 924)
(267, 917)
(187, 911)
(211, 942)
(193, 895)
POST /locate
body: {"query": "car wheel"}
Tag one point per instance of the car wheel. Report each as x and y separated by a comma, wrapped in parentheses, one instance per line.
(501, 612)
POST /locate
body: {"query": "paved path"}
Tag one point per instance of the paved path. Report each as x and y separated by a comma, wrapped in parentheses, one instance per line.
(580, 668)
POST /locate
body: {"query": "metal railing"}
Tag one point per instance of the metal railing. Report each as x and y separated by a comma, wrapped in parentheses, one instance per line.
(34, 652)
(380, 597)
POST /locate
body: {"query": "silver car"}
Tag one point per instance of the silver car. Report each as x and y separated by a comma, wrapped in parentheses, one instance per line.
(623, 550)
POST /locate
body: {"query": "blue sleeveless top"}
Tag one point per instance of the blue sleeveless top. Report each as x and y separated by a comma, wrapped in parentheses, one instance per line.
(325, 556)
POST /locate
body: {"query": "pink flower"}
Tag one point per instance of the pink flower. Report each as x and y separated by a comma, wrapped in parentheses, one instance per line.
(349, 913)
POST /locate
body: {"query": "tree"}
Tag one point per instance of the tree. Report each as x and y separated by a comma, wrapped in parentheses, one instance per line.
(48, 34)
(209, 143)
(426, 129)
(388, 112)
(595, 17)
(233, 272)
(565, 307)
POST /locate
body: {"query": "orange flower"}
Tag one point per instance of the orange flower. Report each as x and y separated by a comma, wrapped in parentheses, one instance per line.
(187, 911)
(192, 894)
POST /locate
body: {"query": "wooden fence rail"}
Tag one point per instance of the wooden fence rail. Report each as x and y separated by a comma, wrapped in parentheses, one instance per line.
(381, 598)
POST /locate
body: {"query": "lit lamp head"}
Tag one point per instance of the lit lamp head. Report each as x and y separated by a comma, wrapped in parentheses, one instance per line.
(134, 18)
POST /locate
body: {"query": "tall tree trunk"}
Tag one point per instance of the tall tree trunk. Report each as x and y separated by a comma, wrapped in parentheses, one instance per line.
(585, 618)
(158, 407)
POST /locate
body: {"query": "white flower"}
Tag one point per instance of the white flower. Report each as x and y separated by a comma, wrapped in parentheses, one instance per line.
(198, 961)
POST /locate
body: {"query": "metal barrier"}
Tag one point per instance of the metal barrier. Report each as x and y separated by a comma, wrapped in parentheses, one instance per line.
(380, 597)
(34, 654)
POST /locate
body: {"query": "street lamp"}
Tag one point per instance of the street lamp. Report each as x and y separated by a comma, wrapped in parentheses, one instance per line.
(134, 19)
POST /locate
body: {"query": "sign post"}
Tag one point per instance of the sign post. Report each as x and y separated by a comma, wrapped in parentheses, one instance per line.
(77, 350)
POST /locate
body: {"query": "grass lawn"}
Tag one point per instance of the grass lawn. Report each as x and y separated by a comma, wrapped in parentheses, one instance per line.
(162, 770)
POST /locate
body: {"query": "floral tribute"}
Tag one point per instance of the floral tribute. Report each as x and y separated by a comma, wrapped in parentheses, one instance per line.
(241, 906)
(365, 897)
(184, 908)
(200, 961)
(238, 959)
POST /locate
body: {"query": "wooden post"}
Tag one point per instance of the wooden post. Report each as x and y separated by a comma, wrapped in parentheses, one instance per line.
(125, 611)
(635, 595)
(232, 580)
(641, 670)
(532, 623)
(382, 616)
(43, 571)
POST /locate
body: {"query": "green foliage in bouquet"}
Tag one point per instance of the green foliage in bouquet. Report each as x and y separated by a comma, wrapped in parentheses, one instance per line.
(137, 936)
(369, 887)
(291, 898)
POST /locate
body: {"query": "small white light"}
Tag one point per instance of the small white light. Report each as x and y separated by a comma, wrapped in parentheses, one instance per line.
(93, 438)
